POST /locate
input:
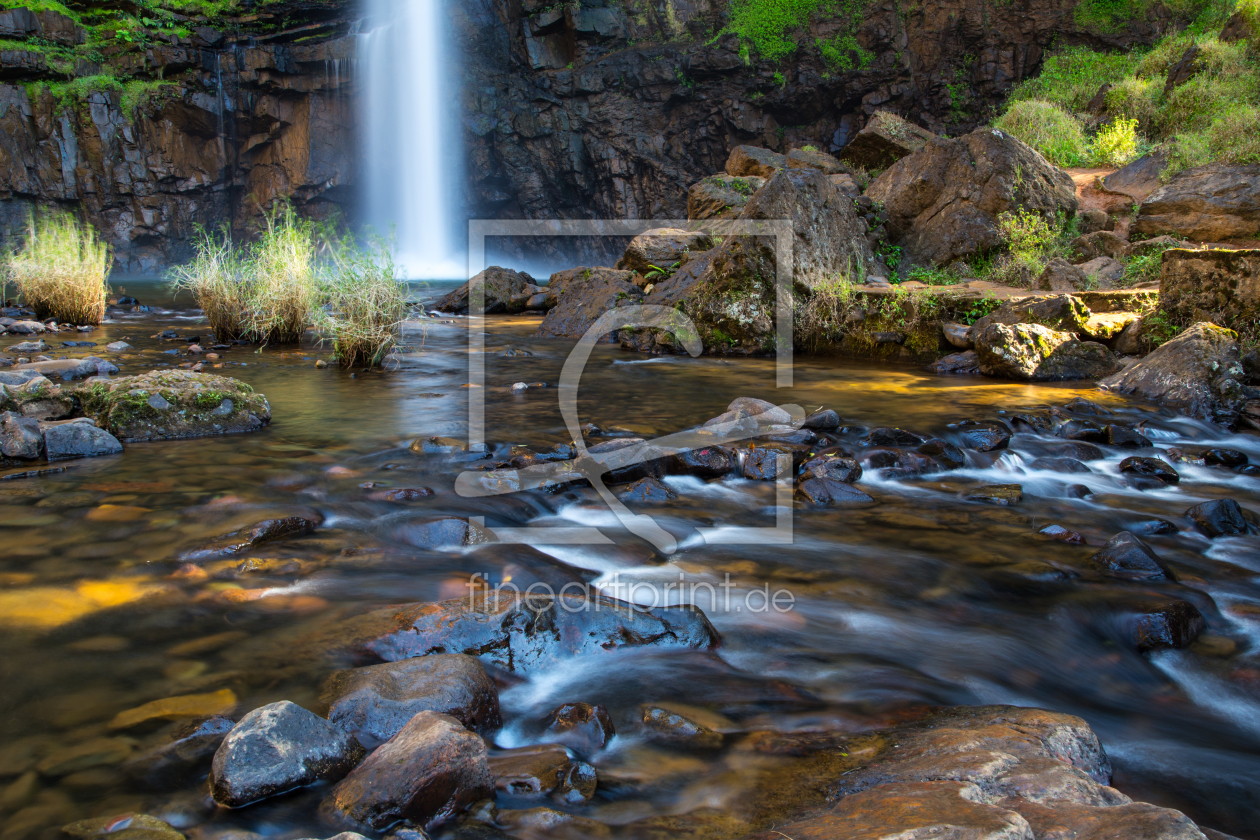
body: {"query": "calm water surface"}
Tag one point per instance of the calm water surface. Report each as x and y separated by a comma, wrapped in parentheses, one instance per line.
(923, 599)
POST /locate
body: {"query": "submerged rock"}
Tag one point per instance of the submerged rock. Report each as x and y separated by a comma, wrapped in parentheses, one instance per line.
(183, 759)
(530, 632)
(1128, 558)
(680, 727)
(584, 727)
(1059, 465)
(530, 771)
(1197, 373)
(162, 405)
(996, 494)
(828, 491)
(375, 702)
(430, 771)
(277, 748)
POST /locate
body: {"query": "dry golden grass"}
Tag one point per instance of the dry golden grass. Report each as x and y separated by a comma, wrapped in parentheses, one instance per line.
(60, 271)
(283, 280)
(364, 304)
(216, 281)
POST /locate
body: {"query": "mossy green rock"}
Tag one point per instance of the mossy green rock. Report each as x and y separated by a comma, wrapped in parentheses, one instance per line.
(162, 405)
(1036, 353)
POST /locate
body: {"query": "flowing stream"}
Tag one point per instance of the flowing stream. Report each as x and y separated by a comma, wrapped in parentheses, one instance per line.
(923, 599)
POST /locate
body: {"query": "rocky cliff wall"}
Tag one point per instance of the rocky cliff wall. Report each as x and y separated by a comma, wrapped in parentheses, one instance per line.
(577, 111)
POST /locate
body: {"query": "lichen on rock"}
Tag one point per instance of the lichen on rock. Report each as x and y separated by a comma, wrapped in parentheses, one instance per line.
(162, 405)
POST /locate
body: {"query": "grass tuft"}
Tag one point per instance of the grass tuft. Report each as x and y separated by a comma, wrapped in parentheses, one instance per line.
(1047, 128)
(284, 286)
(216, 280)
(365, 302)
(60, 271)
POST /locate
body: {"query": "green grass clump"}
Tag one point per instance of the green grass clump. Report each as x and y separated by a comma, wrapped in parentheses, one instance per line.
(365, 302)
(283, 282)
(1116, 144)
(60, 271)
(1047, 128)
(1070, 78)
(217, 282)
(772, 29)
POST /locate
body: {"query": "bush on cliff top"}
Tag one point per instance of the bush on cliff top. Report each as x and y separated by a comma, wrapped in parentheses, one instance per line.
(60, 271)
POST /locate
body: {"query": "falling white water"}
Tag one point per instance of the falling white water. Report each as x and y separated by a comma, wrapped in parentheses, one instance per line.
(412, 160)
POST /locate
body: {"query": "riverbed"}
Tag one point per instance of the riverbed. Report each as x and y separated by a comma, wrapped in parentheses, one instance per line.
(922, 599)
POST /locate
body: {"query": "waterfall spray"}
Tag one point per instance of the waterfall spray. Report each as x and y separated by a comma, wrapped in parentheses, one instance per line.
(412, 165)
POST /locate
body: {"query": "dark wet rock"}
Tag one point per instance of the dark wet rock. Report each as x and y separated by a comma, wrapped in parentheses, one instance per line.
(1079, 450)
(1161, 624)
(1128, 558)
(583, 295)
(268, 530)
(199, 404)
(1151, 468)
(1222, 518)
(835, 467)
(1059, 465)
(824, 420)
(584, 727)
(661, 248)
(887, 436)
(1132, 820)
(1248, 469)
(943, 453)
(1061, 313)
(628, 459)
(943, 200)
(430, 771)
(768, 462)
(1151, 527)
(1035, 353)
(440, 533)
(958, 335)
(703, 462)
(966, 363)
(1118, 435)
(879, 458)
(1224, 457)
(20, 438)
(1060, 534)
(500, 286)
(796, 437)
(402, 494)
(534, 631)
(1081, 430)
(277, 748)
(1077, 491)
(721, 196)
(182, 760)
(375, 702)
(826, 491)
(437, 445)
(648, 490)
(517, 567)
(27, 328)
(764, 412)
(885, 139)
(677, 727)
(68, 370)
(78, 439)
(530, 771)
(1038, 423)
(1197, 373)
(996, 494)
(983, 436)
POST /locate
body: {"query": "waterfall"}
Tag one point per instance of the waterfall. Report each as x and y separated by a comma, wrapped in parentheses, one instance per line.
(412, 155)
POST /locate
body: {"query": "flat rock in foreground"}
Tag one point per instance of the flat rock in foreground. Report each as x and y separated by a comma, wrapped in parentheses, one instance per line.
(529, 633)
(162, 405)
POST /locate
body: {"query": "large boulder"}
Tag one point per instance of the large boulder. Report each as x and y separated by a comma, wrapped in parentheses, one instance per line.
(162, 405)
(1209, 203)
(661, 248)
(944, 200)
(501, 285)
(1197, 373)
(1064, 313)
(721, 196)
(755, 161)
(528, 633)
(1138, 179)
(730, 291)
(277, 748)
(20, 438)
(375, 702)
(886, 139)
(814, 159)
(430, 771)
(77, 439)
(583, 295)
(1036, 353)
(1219, 286)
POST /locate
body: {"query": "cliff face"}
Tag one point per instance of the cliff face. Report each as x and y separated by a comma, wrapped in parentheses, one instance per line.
(578, 111)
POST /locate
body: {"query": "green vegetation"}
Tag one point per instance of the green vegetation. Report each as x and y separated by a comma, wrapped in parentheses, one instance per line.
(1214, 116)
(773, 29)
(296, 276)
(60, 271)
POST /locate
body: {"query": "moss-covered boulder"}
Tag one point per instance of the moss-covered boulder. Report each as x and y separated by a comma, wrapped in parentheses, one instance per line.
(163, 405)
(1037, 353)
(721, 196)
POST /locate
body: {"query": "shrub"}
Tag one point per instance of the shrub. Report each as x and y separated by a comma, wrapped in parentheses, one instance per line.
(283, 287)
(1048, 129)
(1136, 99)
(820, 315)
(765, 24)
(216, 280)
(365, 302)
(1070, 79)
(1234, 137)
(1116, 144)
(60, 271)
